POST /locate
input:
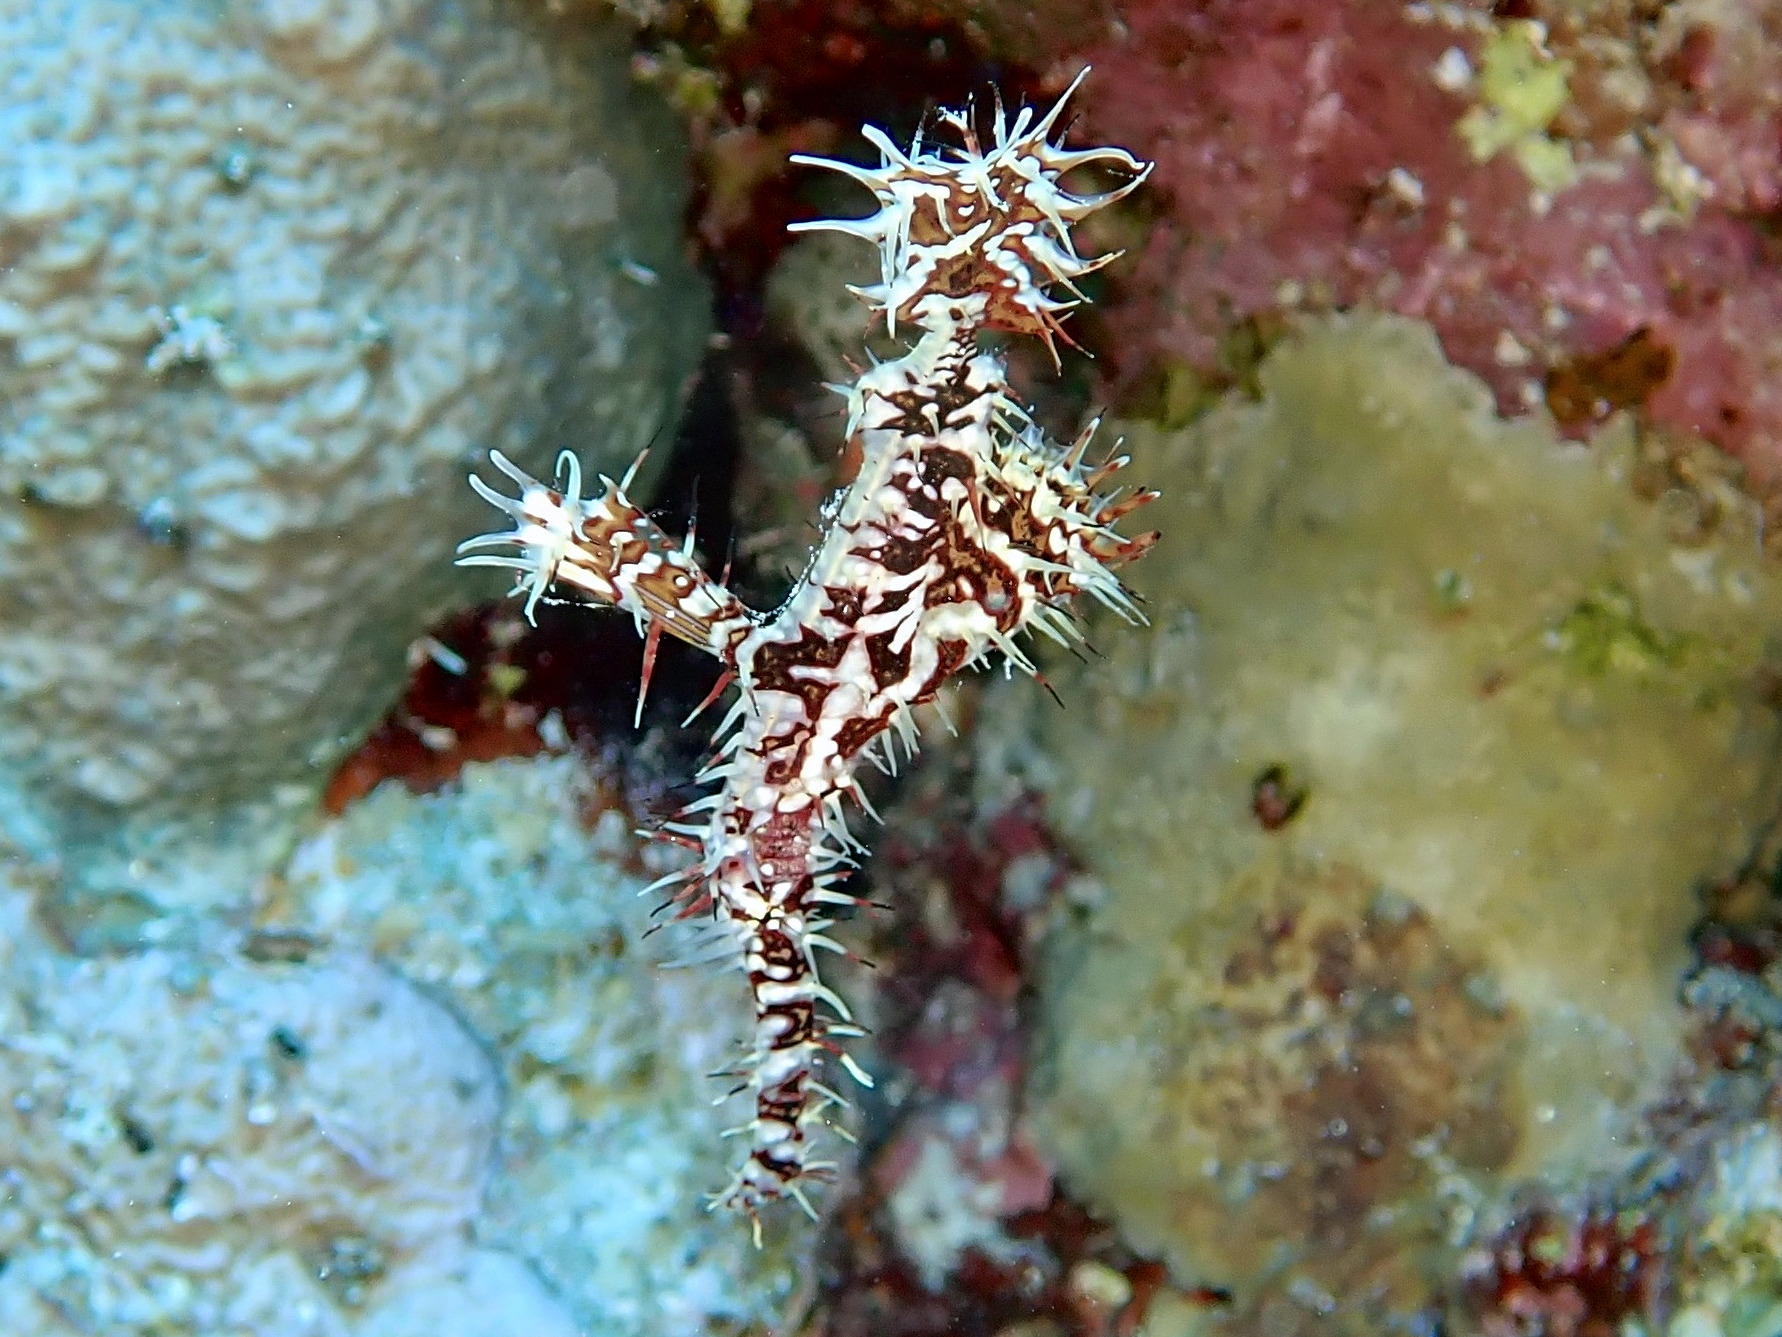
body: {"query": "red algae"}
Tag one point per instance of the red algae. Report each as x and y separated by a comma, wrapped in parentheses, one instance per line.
(1553, 1274)
(1722, 106)
(968, 897)
(451, 712)
(1309, 157)
(483, 685)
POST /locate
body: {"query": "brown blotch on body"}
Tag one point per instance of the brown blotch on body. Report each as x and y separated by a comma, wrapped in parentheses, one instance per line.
(802, 1019)
(969, 574)
(856, 734)
(774, 661)
(972, 271)
(890, 663)
(777, 950)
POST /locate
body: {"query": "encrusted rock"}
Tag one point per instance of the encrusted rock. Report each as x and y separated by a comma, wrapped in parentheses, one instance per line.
(204, 1142)
(496, 894)
(1402, 804)
(501, 1125)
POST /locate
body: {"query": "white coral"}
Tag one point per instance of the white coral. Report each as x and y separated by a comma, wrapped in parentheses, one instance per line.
(200, 1142)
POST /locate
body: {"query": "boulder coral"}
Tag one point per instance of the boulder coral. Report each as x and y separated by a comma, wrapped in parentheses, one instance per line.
(203, 1141)
(1401, 807)
(270, 275)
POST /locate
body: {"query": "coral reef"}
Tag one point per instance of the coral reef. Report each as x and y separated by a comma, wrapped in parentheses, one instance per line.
(955, 1223)
(1557, 1274)
(1315, 970)
(274, 1135)
(1541, 182)
(1732, 1281)
(205, 1141)
(267, 278)
(514, 893)
(1400, 806)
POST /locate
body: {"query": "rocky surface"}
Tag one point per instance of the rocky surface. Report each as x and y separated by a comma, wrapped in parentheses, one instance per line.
(1401, 803)
(272, 277)
(444, 1085)
(513, 894)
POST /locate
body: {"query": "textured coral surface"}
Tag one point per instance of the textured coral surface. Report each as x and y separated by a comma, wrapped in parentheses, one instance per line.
(207, 1142)
(513, 893)
(501, 1124)
(268, 279)
(1400, 804)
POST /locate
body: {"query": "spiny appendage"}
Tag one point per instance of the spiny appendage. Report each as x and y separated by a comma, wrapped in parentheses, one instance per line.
(793, 1040)
(987, 223)
(763, 880)
(607, 551)
(964, 529)
(1064, 535)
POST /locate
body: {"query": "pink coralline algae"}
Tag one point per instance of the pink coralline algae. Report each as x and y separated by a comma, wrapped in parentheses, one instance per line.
(1313, 155)
(1724, 112)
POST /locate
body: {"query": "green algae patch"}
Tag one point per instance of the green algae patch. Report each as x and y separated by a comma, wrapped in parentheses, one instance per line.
(1305, 1054)
(1522, 87)
(1604, 633)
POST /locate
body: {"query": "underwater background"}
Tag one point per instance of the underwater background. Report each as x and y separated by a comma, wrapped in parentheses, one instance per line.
(1386, 937)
